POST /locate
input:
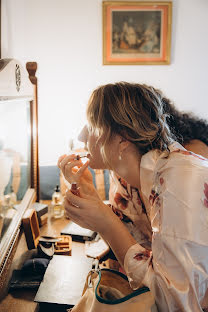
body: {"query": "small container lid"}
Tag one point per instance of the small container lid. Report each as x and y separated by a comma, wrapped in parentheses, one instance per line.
(57, 188)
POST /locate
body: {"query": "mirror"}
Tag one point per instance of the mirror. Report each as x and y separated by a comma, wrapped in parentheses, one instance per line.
(14, 159)
(18, 151)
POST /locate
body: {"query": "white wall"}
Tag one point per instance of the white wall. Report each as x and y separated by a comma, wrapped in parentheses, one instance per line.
(65, 38)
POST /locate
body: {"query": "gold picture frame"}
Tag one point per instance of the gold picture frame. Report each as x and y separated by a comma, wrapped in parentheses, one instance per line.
(136, 33)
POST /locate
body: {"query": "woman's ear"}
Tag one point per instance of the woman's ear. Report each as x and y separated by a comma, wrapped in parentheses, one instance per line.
(123, 144)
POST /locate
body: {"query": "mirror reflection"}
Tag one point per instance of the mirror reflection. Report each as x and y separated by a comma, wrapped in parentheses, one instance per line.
(14, 158)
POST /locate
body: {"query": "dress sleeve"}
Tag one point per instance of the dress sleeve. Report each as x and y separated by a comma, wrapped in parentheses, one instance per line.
(137, 263)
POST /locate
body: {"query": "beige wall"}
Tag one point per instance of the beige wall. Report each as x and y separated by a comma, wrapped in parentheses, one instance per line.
(65, 38)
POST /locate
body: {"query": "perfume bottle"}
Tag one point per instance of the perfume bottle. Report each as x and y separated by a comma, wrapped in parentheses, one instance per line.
(75, 189)
(57, 203)
(13, 197)
(7, 204)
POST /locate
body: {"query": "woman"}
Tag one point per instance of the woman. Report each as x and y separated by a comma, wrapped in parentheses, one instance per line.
(191, 132)
(128, 134)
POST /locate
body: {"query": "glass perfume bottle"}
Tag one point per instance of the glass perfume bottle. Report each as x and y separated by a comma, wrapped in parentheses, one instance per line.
(75, 189)
(7, 203)
(13, 197)
(57, 203)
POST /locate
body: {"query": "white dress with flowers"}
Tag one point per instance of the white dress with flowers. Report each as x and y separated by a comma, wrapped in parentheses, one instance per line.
(171, 256)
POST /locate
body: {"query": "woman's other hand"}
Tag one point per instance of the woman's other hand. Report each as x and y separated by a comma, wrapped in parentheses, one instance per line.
(75, 171)
(89, 212)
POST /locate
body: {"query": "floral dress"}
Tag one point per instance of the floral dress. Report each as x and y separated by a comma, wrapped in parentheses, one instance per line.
(171, 256)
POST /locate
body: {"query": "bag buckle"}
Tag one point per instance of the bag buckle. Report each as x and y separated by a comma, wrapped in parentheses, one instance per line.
(95, 265)
(95, 269)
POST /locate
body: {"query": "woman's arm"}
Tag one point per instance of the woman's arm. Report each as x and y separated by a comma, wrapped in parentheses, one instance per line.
(93, 214)
(119, 239)
(90, 212)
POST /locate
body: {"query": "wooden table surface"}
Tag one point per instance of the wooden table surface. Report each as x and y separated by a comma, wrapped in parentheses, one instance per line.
(22, 300)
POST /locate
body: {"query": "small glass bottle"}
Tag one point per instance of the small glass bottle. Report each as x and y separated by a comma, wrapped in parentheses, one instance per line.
(57, 203)
(75, 189)
(7, 204)
(13, 197)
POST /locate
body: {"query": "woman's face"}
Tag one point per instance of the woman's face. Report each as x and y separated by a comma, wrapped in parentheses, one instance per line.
(93, 145)
(117, 146)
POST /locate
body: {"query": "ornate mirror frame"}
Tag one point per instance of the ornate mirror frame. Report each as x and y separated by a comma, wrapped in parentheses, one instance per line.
(9, 242)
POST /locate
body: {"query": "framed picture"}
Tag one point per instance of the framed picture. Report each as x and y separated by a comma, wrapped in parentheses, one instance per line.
(136, 32)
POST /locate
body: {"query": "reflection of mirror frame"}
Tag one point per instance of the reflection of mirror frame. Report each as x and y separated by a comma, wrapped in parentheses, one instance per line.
(31, 68)
(10, 241)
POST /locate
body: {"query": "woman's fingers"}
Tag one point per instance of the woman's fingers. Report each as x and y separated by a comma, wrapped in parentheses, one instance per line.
(82, 169)
(67, 163)
(60, 159)
(75, 200)
(67, 169)
(73, 169)
(65, 160)
(70, 208)
(87, 212)
(74, 212)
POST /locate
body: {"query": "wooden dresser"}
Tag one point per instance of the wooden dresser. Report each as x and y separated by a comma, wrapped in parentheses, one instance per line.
(23, 300)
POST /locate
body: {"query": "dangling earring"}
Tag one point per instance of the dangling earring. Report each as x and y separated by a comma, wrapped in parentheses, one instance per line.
(119, 157)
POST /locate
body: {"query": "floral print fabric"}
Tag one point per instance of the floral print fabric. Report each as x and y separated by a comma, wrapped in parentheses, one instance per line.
(127, 205)
(175, 189)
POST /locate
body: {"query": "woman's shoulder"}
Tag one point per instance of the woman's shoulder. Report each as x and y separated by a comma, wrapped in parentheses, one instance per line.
(185, 153)
(197, 147)
(180, 160)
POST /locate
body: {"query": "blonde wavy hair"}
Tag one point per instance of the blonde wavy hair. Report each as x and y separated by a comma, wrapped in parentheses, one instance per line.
(134, 111)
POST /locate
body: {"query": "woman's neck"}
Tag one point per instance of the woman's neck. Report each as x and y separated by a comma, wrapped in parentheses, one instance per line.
(129, 168)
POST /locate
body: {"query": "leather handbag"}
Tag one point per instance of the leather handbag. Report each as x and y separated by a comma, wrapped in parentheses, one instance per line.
(109, 291)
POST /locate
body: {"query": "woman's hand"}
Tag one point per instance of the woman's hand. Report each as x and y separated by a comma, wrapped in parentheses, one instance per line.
(75, 171)
(93, 214)
(89, 212)
(67, 165)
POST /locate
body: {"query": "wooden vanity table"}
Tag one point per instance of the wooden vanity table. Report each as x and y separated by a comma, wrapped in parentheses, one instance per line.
(23, 300)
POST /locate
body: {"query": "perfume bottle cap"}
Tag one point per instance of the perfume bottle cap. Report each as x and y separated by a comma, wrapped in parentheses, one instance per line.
(57, 188)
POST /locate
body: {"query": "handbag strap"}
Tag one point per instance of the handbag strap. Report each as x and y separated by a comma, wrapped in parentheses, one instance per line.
(93, 273)
(114, 273)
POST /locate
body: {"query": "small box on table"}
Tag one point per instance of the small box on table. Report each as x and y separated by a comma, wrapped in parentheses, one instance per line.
(42, 212)
(62, 243)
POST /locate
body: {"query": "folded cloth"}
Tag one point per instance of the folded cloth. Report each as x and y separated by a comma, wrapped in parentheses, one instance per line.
(31, 274)
(21, 280)
(36, 266)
